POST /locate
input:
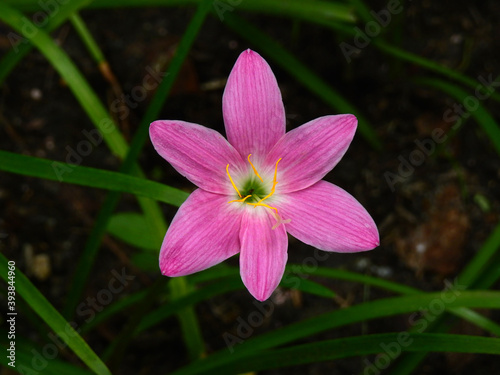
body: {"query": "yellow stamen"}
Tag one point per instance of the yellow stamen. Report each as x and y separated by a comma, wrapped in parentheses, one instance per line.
(274, 183)
(240, 200)
(254, 170)
(259, 203)
(232, 182)
(263, 205)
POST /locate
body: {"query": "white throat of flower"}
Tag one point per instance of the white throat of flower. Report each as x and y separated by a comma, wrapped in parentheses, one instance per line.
(252, 191)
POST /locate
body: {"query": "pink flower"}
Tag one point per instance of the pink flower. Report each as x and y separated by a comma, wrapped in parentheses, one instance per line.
(258, 184)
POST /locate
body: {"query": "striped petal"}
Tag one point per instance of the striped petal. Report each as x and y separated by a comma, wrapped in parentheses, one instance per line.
(327, 217)
(198, 153)
(310, 151)
(203, 233)
(263, 252)
(254, 115)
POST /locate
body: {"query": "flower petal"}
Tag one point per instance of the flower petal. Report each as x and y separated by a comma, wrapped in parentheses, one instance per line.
(263, 252)
(327, 217)
(310, 151)
(196, 152)
(253, 110)
(203, 233)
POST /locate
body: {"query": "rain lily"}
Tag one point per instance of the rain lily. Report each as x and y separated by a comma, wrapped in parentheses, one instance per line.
(258, 184)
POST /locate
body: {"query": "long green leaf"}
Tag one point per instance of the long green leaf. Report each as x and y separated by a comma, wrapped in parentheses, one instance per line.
(86, 176)
(431, 65)
(58, 15)
(53, 319)
(133, 229)
(310, 9)
(391, 345)
(98, 114)
(28, 354)
(477, 110)
(358, 313)
(67, 69)
(476, 271)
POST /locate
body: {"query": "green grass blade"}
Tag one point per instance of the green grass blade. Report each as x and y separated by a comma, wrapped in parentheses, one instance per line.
(229, 282)
(95, 110)
(24, 361)
(69, 72)
(190, 327)
(125, 303)
(475, 268)
(430, 65)
(53, 319)
(302, 74)
(478, 320)
(359, 346)
(177, 304)
(476, 271)
(311, 9)
(311, 287)
(167, 83)
(407, 56)
(352, 276)
(92, 177)
(480, 114)
(370, 310)
(116, 350)
(56, 18)
(133, 228)
(187, 317)
(362, 10)
(87, 38)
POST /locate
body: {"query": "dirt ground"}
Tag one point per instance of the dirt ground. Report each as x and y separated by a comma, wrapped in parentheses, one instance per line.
(432, 220)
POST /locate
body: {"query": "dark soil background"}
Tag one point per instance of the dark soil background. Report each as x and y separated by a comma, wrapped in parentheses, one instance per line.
(430, 225)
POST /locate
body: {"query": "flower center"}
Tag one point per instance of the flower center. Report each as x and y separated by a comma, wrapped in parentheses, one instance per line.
(253, 192)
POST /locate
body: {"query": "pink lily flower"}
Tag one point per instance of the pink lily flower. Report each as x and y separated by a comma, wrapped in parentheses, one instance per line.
(258, 184)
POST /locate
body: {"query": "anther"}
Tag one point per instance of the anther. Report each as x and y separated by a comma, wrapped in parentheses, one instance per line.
(274, 183)
(241, 200)
(254, 170)
(263, 205)
(232, 182)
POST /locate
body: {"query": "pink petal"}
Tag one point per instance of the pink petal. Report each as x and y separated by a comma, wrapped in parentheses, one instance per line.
(198, 153)
(203, 233)
(253, 110)
(263, 252)
(327, 217)
(310, 151)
